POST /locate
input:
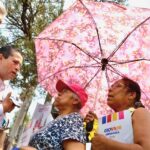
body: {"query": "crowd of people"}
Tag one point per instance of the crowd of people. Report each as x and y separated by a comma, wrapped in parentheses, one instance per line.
(66, 131)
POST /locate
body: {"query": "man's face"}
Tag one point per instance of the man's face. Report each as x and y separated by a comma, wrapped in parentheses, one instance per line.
(10, 66)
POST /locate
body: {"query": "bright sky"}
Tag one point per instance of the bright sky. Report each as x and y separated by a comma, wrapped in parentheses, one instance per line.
(140, 3)
(137, 3)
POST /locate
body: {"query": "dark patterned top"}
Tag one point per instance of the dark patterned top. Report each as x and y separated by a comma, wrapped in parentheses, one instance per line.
(63, 128)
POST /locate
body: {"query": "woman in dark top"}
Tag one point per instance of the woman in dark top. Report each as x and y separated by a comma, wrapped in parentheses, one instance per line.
(66, 132)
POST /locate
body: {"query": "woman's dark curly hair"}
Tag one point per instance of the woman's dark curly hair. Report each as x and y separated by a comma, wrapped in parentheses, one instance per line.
(134, 87)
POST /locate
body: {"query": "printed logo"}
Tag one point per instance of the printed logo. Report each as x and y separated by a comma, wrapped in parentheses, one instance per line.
(113, 130)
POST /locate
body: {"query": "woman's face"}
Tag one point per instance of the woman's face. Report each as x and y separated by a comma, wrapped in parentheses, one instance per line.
(118, 96)
(64, 99)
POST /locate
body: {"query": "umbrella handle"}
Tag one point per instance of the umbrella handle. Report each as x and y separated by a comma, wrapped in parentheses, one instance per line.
(89, 126)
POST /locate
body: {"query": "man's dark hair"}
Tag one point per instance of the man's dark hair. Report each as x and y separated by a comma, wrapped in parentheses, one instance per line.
(7, 50)
(134, 87)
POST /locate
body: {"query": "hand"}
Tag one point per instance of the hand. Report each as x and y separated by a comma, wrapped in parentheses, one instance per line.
(7, 103)
(90, 117)
(27, 148)
(99, 142)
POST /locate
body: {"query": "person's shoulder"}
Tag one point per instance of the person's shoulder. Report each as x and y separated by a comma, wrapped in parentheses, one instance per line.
(74, 114)
(141, 113)
(75, 117)
(141, 110)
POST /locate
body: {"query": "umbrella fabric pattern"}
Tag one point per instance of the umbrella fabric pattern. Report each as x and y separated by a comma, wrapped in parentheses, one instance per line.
(95, 44)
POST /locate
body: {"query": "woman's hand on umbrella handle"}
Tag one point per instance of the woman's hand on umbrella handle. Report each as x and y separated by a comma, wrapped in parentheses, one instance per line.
(90, 116)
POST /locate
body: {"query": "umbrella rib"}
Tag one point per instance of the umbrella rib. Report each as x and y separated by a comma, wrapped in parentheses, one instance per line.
(70, 43)
(95, 27)
(129, 61)
(107, 77)
(112, 54)
(116, 71)
(92, 78)
(68, 69)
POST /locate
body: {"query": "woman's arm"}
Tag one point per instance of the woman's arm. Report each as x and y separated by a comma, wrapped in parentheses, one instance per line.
(141, 127)
(73, 145)
(141, 124)
(72, 132)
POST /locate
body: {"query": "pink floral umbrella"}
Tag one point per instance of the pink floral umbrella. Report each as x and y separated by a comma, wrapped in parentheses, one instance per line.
(94, 44)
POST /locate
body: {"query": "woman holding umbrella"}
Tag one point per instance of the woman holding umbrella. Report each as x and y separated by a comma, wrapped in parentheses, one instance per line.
(123, 95)
(66, 132)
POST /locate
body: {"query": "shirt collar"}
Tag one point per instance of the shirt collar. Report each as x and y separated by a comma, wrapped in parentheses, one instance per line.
(2, 85)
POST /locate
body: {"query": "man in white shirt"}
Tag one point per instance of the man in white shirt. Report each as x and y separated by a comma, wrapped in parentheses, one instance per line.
(10, 63)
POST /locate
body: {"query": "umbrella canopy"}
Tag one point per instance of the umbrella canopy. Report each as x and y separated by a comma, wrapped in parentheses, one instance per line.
(94, 44)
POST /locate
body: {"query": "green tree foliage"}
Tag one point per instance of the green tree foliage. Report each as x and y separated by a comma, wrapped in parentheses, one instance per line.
(3, 39)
